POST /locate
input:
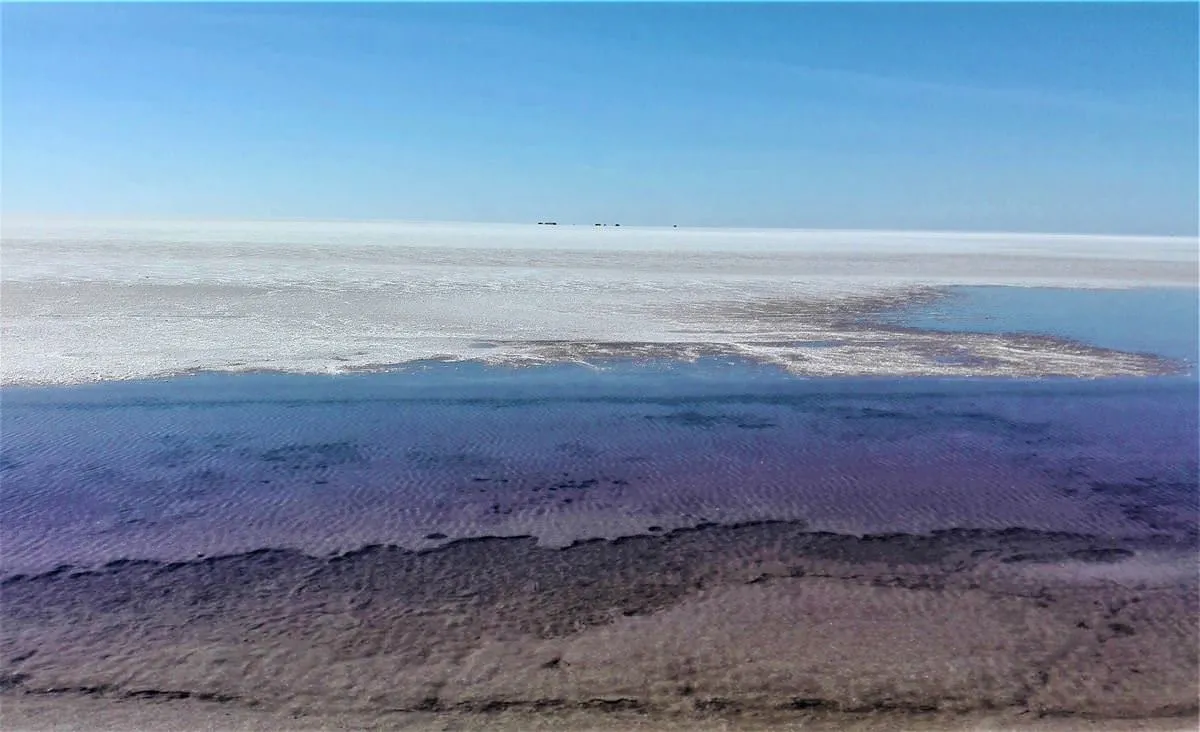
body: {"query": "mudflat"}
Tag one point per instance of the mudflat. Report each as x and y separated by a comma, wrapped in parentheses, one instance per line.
(720, 626)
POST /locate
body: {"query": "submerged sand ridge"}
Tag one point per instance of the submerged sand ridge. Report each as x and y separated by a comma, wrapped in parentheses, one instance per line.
(765, 618)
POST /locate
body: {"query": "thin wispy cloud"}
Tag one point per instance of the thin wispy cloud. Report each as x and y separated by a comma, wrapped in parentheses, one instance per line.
(1146, 104)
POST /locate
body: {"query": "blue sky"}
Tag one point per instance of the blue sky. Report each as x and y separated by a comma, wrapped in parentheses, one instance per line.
(1015, 117)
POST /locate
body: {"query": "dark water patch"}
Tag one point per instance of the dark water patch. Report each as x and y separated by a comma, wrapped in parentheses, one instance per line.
(705, 420)
(1106, 555)
(174, 457)
(1102, 556)
(580, 484)
(1161, 505)
(312, 456)
(934, 415)
(577, 449)
(1160, 518)
(1146, 487)
(432, 460)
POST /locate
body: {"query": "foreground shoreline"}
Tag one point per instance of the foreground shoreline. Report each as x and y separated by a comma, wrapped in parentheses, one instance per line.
(85, 713)
(754, 624)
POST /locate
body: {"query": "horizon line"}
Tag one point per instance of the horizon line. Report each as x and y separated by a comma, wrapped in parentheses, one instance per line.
(7, 219)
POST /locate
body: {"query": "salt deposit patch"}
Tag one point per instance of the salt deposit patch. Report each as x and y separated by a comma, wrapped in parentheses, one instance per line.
(89, 302)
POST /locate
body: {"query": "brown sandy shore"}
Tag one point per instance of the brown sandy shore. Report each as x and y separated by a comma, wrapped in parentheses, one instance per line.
(752, 626)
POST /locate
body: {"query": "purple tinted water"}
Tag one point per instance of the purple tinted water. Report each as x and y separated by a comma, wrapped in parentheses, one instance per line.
(220, 463)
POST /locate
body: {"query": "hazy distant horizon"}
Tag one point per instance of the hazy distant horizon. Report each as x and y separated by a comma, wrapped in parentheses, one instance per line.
(8, 221)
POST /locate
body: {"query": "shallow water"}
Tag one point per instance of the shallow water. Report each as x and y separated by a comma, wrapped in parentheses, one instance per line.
(1163, 321)
(220, 463)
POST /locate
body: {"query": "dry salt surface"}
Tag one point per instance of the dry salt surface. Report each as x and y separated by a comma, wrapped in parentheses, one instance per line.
(100, 301)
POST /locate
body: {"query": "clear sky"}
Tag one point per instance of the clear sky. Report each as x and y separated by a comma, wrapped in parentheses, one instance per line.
(1014, 117)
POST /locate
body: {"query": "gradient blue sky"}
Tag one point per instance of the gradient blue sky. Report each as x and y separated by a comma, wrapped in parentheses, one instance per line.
(1019, 117)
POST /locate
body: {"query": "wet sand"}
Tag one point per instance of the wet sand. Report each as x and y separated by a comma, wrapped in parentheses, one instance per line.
(85, 714)
(763, 624)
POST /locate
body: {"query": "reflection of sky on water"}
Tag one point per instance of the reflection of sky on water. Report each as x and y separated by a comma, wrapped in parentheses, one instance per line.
(223, 462)
(1164, 321)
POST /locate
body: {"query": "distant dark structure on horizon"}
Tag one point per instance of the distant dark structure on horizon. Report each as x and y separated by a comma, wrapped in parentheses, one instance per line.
(555, 223)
